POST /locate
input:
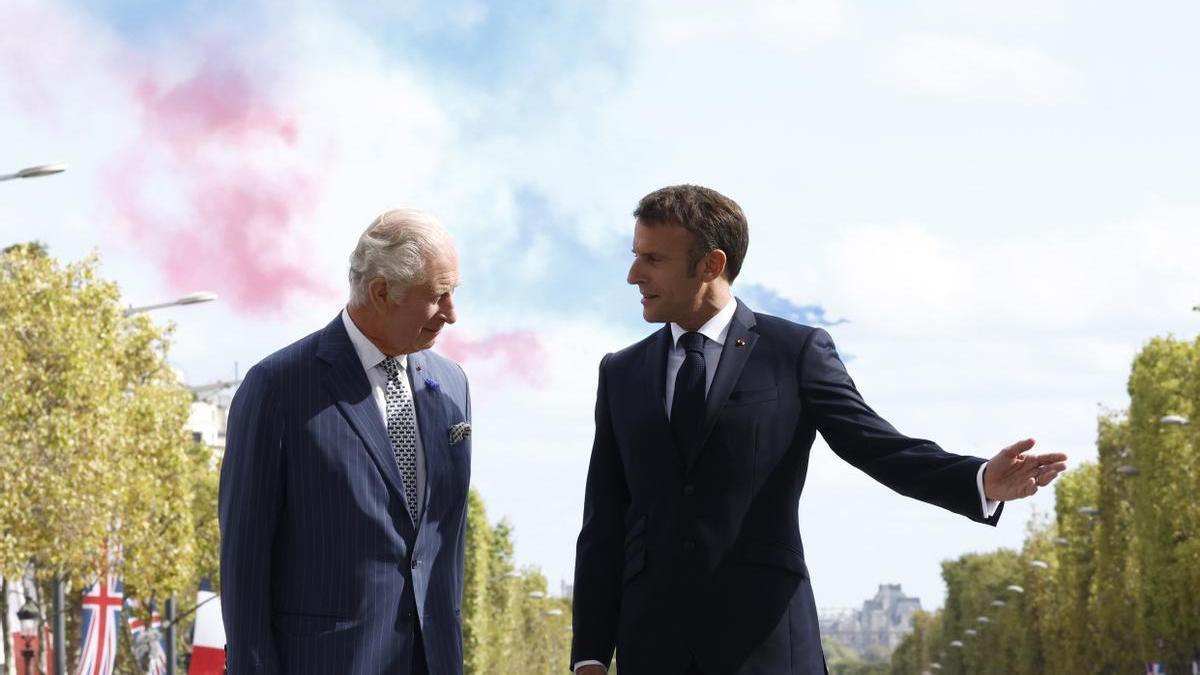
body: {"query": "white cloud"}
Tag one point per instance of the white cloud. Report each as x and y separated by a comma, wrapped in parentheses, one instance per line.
(975, 70)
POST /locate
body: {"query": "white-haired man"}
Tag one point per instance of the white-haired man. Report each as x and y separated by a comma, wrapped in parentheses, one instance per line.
(344, 484)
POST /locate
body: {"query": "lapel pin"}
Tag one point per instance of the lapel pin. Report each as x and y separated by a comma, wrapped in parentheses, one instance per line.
(740, 342)
(418, 369)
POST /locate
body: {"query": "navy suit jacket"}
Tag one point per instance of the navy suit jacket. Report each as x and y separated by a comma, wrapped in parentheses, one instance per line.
(700, 559)
(322, 568)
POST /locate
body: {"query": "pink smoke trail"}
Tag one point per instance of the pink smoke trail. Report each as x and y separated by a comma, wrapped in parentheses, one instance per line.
(519, 353)
(231, 218)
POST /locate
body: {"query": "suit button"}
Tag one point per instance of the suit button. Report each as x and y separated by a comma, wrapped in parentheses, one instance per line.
(416, 563)
(689, 546)
(689, 490)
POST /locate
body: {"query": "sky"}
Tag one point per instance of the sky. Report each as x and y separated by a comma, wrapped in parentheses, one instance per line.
(990, 206)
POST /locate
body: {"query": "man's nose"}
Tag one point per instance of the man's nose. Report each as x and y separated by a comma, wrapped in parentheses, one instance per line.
(448, 312)
(634, 275)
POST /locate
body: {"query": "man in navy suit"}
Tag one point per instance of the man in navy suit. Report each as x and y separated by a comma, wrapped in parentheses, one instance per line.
(344, 483)
(689, 560)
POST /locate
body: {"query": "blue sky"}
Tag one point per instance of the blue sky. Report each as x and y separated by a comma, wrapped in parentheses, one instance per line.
(992, 206)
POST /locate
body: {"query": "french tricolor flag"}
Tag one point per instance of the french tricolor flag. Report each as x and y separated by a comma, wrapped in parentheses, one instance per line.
(208, 642)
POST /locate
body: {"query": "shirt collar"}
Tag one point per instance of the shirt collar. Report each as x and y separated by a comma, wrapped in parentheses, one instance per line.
(368, 353)
(715, 329)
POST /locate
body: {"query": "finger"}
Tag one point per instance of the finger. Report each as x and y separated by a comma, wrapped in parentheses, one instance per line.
(1029, 488)
(1013, 451)
(1047, 478)
(1047, 458)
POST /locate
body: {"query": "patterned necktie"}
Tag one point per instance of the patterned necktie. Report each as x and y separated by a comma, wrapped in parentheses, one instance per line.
(687, 407)
(402, 429)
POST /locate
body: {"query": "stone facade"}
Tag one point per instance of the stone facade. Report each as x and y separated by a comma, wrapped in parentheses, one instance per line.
(876, 628)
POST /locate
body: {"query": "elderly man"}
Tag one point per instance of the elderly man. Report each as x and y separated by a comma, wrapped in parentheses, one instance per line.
(344, 485)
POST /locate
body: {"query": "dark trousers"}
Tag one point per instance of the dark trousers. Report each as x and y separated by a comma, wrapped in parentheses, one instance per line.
(420, 667)
(694, 670)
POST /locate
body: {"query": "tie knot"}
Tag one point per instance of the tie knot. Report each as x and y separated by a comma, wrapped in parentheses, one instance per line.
(391, 367)
(692, 342)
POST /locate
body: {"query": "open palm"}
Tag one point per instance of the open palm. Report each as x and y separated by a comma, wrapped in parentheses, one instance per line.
(1016, 473)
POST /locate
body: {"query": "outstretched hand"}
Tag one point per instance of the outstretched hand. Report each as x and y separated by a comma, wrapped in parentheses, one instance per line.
(1016, 473)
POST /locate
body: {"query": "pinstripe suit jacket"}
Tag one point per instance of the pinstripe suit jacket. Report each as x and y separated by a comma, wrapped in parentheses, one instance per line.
(322, 569)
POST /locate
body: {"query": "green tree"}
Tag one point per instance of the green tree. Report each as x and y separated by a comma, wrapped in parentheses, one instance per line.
(1119, 636)
(1076, 493)
(1166, 513)
(92, 445)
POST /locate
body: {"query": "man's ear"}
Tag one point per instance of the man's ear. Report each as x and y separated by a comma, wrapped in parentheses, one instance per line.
(377, 293)
(712, 265)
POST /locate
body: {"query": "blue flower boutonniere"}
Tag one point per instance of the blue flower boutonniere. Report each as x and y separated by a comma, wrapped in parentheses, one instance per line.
(432, 384)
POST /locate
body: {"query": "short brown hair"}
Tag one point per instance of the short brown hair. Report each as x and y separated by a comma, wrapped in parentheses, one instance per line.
(716, 221)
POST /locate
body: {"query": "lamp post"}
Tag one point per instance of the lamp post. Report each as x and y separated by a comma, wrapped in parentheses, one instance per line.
(1174, 421)
(35, 171)
(28, 618)
(190, 299)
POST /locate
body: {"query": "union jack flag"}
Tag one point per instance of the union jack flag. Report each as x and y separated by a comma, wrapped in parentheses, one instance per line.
(101, 623)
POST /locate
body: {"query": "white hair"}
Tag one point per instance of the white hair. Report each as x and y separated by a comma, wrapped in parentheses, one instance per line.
(395, 247)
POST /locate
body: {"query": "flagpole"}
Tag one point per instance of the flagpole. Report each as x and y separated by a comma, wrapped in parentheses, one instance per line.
(60, 628)
(171, 635)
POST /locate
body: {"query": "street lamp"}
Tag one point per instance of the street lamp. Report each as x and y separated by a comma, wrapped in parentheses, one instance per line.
(956, 643)
(1015, 589)
(553, 612)
(190, 299)
(1040, 564)
(536, 595)
(28, 618)
(1088, 511)
(982, 619)
(1174, 420)
(1062, 541)
(999, 603)
(1127, 470)
(35, 171)
(970, 632)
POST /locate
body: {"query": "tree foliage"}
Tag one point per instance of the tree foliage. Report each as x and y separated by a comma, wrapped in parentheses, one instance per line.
(1113, 582)
(95, 466)
(511, 624)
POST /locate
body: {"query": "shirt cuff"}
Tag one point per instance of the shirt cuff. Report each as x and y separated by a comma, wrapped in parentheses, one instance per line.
(581, 664)
(989, 505)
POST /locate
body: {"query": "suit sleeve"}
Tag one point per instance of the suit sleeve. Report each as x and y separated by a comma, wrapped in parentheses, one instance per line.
(911, 466)
(249, 505)
(598, 555)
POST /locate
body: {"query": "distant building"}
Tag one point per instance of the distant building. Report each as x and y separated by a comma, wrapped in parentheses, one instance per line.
(207, 422)
(881, 624)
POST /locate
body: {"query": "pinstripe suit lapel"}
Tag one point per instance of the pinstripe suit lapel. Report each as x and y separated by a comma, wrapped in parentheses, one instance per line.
(431, 422)
(343, 376)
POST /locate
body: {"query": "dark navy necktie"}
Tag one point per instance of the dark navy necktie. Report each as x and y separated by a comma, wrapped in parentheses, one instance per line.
(687, 407)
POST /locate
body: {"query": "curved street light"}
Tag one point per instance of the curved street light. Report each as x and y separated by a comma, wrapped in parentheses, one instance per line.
(1127, 470)
(1000, 603)
(1015, 589)
(1174, 421)
(36, 171)
(1062, 541)
(1088, 511)
(982, 619)
(971, 632)
(189, 299)
(1040, 564)
(956, 643)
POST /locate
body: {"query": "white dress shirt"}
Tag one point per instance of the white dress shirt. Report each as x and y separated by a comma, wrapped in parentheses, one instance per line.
(716, 330)
(372, 360)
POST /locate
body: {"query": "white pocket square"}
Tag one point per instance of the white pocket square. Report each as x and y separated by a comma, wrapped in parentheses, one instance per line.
(459, 431)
